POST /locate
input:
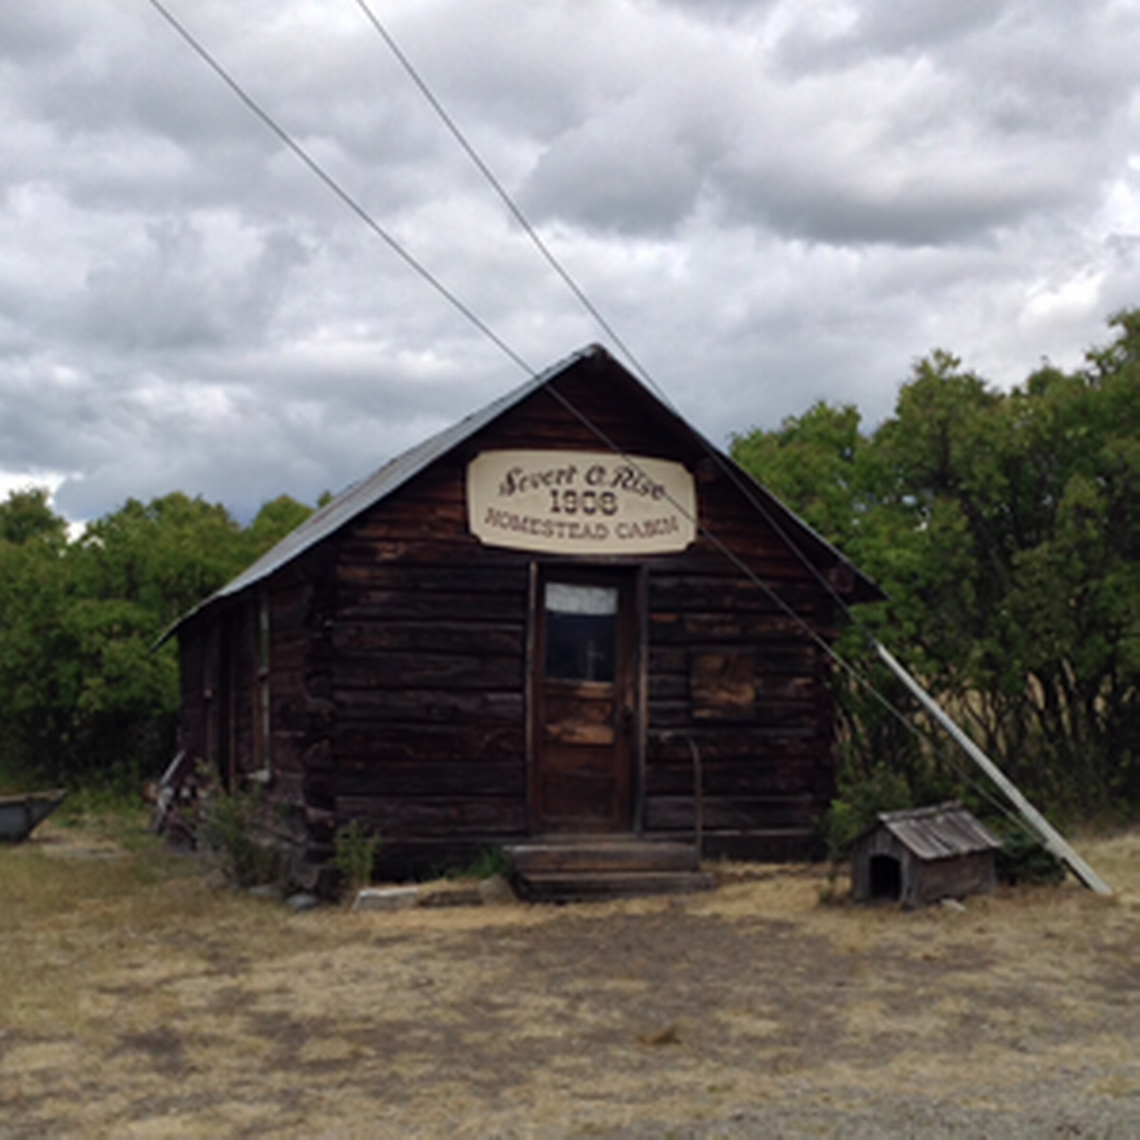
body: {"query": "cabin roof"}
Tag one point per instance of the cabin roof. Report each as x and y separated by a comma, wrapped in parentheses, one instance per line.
(937, 832)
(361, 496)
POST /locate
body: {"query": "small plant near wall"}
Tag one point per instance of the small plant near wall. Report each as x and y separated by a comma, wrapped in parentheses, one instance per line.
(355, 854)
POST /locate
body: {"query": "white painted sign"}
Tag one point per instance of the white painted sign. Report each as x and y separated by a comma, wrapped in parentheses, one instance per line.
(580, 502)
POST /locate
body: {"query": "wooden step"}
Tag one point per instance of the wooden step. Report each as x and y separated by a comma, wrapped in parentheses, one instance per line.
(563, 870)
(602, 855)
(588, 887)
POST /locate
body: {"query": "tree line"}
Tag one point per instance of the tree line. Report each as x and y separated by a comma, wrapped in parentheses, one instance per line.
(86, 693)
(1004, 527)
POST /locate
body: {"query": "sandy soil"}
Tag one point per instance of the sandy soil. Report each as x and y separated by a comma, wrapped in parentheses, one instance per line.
(167, 1008)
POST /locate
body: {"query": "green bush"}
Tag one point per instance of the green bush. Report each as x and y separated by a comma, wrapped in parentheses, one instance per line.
(859, 804)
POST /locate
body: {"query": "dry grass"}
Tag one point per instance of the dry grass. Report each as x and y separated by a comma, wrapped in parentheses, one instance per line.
(137, 999)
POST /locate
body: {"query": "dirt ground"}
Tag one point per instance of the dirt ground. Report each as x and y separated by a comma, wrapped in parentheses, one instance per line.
(139, 1000)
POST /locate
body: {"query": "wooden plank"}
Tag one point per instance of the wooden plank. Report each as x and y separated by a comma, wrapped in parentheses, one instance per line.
(468, 744)
(469, 578)
(432, 778)
(734, 812)
(428, 671)
(429, 636)
(364, 602)
(621, 854)
(669, 629)
(429, 706)
(756, 742)
(776, 777)
(437, 815)
(584, 886)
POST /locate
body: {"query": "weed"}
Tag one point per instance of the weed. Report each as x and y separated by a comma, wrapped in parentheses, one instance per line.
(829, 893)
(1024, 859)
(489, 862)
(355, 855)
(860, 804)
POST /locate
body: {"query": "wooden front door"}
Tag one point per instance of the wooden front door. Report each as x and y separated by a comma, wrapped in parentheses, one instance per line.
(584, 702)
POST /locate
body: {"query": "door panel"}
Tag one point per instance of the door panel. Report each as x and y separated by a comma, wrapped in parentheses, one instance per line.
(583, 691)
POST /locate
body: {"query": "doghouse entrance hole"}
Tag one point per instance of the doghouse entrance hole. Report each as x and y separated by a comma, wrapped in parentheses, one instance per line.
(886, 877)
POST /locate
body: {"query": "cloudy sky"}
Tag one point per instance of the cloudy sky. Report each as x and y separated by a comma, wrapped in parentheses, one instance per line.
(772, 202)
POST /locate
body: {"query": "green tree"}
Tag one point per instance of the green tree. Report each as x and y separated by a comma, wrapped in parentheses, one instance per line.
(83, 688)
(1005, 526)
(273, 522)
(27, 516)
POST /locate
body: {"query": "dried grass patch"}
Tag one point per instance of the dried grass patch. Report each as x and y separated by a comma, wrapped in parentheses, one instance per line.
(138, 999)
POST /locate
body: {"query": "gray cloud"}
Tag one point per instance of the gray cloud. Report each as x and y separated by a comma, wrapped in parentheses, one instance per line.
(774, 203)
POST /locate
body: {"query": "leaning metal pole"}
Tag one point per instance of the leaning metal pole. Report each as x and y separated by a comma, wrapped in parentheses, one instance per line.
(1050, 837)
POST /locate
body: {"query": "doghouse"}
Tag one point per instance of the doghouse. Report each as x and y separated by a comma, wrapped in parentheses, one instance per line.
(566, 616)
(919, 857)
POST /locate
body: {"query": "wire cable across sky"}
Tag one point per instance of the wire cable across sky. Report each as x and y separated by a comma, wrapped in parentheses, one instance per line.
(355, 206)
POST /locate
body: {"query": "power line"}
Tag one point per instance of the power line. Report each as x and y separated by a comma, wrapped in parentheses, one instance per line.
(512, 206)
(333, 185)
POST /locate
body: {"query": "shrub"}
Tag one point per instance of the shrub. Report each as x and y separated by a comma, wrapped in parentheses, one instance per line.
(859, 805)
(1024, 859)
(229, 825)
(355, 855)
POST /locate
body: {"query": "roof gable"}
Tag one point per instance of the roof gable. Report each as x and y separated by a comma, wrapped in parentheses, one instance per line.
(362, 496)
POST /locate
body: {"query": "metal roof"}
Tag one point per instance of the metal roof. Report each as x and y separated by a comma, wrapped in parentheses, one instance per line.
(938, 832)
(398, 471)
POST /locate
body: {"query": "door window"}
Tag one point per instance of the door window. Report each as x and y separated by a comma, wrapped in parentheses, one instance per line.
(581, 631)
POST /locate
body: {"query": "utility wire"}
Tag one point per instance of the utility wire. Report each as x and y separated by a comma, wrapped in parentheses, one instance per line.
(339, 190)
(500, 190)
(517, 213)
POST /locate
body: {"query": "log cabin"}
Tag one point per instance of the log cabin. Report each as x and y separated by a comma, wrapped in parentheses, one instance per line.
(566, 620)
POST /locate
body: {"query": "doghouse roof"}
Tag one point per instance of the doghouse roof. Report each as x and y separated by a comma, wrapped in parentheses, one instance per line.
(363, 495)
(937, 832)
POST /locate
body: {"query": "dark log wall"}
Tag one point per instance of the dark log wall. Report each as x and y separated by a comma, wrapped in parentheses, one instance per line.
(733, 673)
(427, 663)
(218, 685)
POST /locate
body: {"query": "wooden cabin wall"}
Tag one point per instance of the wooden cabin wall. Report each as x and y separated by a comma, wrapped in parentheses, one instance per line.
(193, 715)
(217, 716)
(216, 720)
(426, 669)
(732, 672)
(728, 668)
(422, 654)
